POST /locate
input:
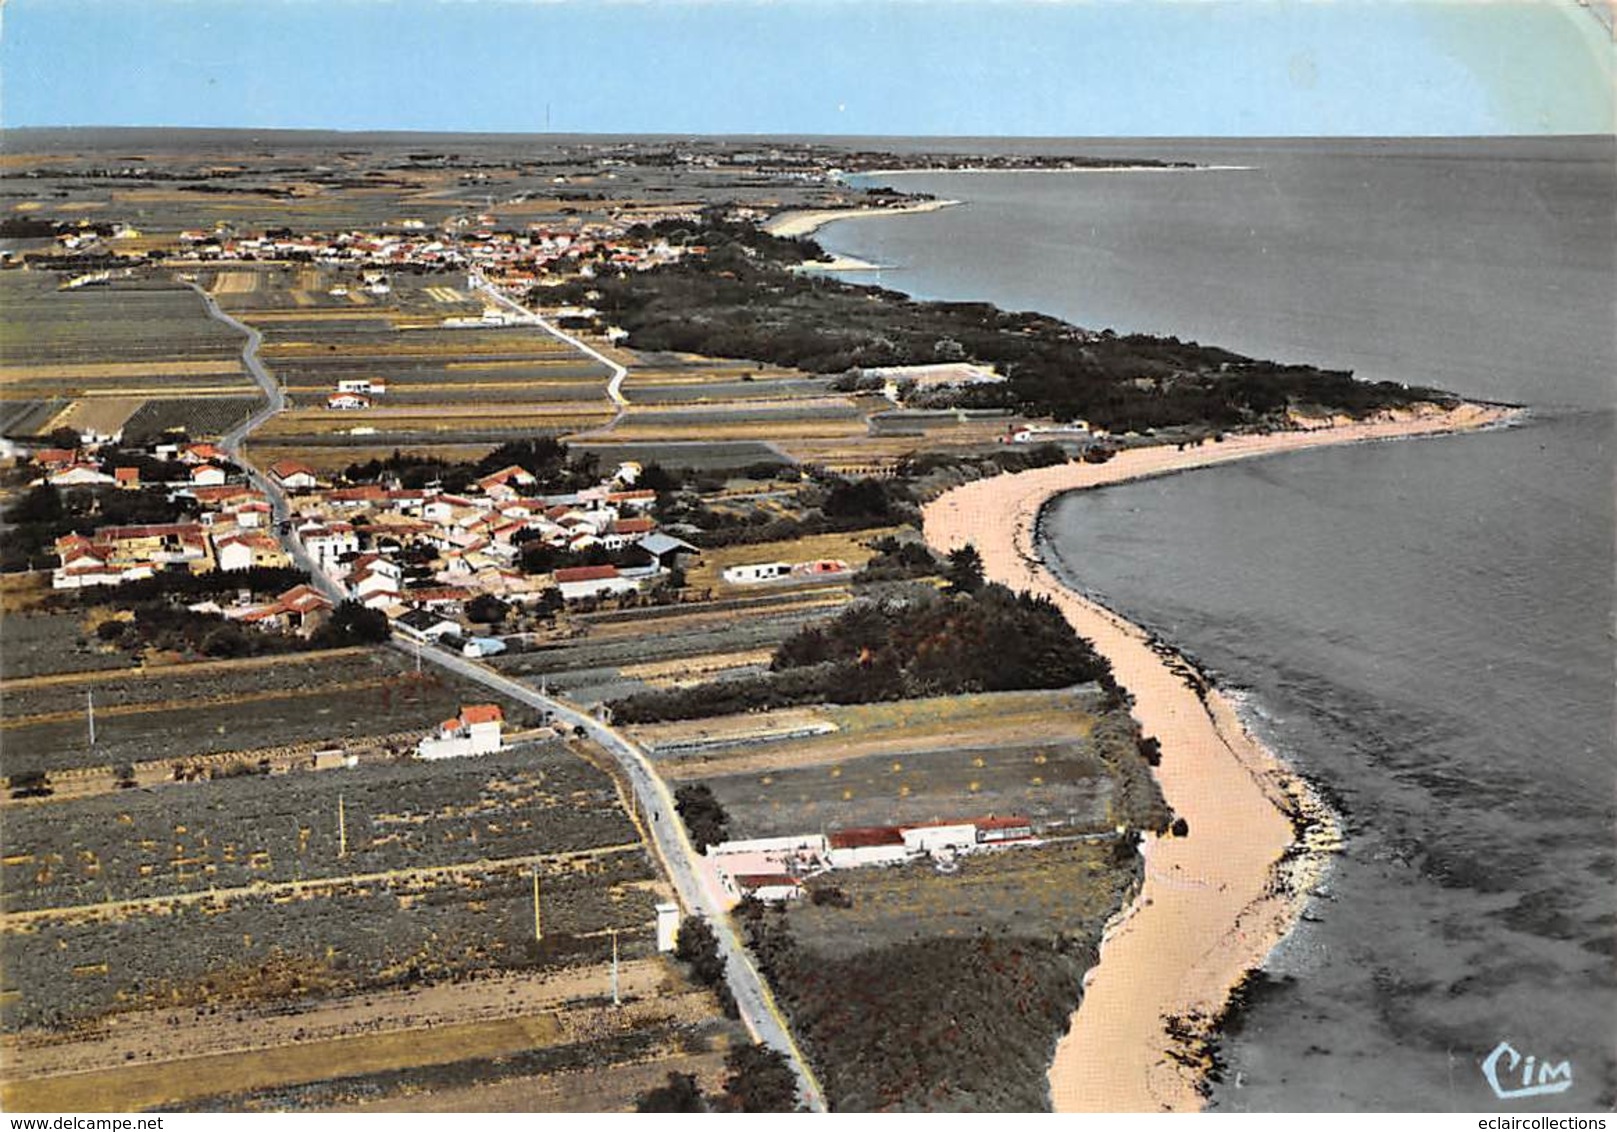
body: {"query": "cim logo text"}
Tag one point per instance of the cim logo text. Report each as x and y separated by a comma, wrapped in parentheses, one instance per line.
(1513, 1075)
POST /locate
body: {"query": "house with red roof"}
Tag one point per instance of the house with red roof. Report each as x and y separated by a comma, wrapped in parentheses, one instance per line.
(475, 731)
(294, 475)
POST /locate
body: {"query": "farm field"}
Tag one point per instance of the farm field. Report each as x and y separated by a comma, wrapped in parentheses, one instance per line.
(38, 643)
(1057, 784)
(1060, 758)
(1063, 888)
(133, 355)
(718, 456)
(443, 385)
(180, 713)
(851, 547)
(618, 660)
(983, 719)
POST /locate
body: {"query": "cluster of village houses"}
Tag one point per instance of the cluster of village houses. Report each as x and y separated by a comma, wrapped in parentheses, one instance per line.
(505, 258)
(775, 869)
(359, 536)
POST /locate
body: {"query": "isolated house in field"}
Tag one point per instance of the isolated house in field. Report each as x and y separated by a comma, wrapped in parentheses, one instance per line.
(753, 573)
(347, 401)
(475, 731)
(294, 475)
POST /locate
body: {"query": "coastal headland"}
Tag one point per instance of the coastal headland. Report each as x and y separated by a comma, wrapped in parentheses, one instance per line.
(1216, 900)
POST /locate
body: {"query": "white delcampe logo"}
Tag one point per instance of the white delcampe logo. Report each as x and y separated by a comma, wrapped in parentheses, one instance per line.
(1555, 1078)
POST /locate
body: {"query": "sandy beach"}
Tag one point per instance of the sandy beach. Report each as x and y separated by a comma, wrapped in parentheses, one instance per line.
(1213, 903)
(838, 263)
(804, 222)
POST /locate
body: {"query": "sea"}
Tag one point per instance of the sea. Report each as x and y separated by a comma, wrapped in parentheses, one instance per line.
(1424, 629)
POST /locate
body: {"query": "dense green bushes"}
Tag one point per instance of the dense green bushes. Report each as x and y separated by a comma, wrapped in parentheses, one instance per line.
(740, 301)
(933, 645)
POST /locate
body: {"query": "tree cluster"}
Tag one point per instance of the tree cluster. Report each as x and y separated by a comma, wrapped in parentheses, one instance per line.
(740, 301)
(990, 640)
(757, 1079)
(704, 818)
(946, 1024)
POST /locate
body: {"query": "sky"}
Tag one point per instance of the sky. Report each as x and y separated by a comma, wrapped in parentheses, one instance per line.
(1055, 68)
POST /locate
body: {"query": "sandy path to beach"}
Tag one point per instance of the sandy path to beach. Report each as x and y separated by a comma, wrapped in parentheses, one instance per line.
(1213, 903)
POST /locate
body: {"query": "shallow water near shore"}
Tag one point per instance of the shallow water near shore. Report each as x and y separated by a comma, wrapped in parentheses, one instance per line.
(1422, 628)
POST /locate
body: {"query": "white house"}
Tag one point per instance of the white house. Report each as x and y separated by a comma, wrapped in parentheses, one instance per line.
(871, 845)
(811, 843)
(372, 574)
(244, 550)
(771, 888)
(757, 572)
(293, 475)
(590, 581)
(348, 401)
(327, 544)
(941, 837)
(424, 625)
(206, 475)
(80, 475)
(475, 731)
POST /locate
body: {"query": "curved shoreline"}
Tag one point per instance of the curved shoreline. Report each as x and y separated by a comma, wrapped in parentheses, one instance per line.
(1214, 903)
(800, 222)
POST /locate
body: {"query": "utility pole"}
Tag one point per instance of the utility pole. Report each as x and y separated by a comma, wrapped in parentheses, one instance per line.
(342, 828)
(616, 999)
(89, 699)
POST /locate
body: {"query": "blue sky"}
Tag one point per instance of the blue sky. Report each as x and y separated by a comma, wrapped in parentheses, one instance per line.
(962, 67)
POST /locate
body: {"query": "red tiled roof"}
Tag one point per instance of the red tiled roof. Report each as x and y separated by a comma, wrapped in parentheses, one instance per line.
(767, 880)
(153, 530)
(1002, 823)
(481, 713)
(585, 573)
(865, 837)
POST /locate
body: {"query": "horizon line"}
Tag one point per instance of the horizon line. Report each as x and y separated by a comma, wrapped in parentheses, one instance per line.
(720, 134)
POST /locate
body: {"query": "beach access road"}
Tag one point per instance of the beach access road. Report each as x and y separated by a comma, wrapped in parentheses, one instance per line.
(673, 845)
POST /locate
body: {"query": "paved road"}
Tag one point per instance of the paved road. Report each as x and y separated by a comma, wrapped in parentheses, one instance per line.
(757, 1006)
(614, 387)
(758, 1010)
(231, 442)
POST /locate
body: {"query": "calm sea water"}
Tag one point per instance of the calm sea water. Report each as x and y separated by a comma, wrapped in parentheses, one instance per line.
(1423, 628)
